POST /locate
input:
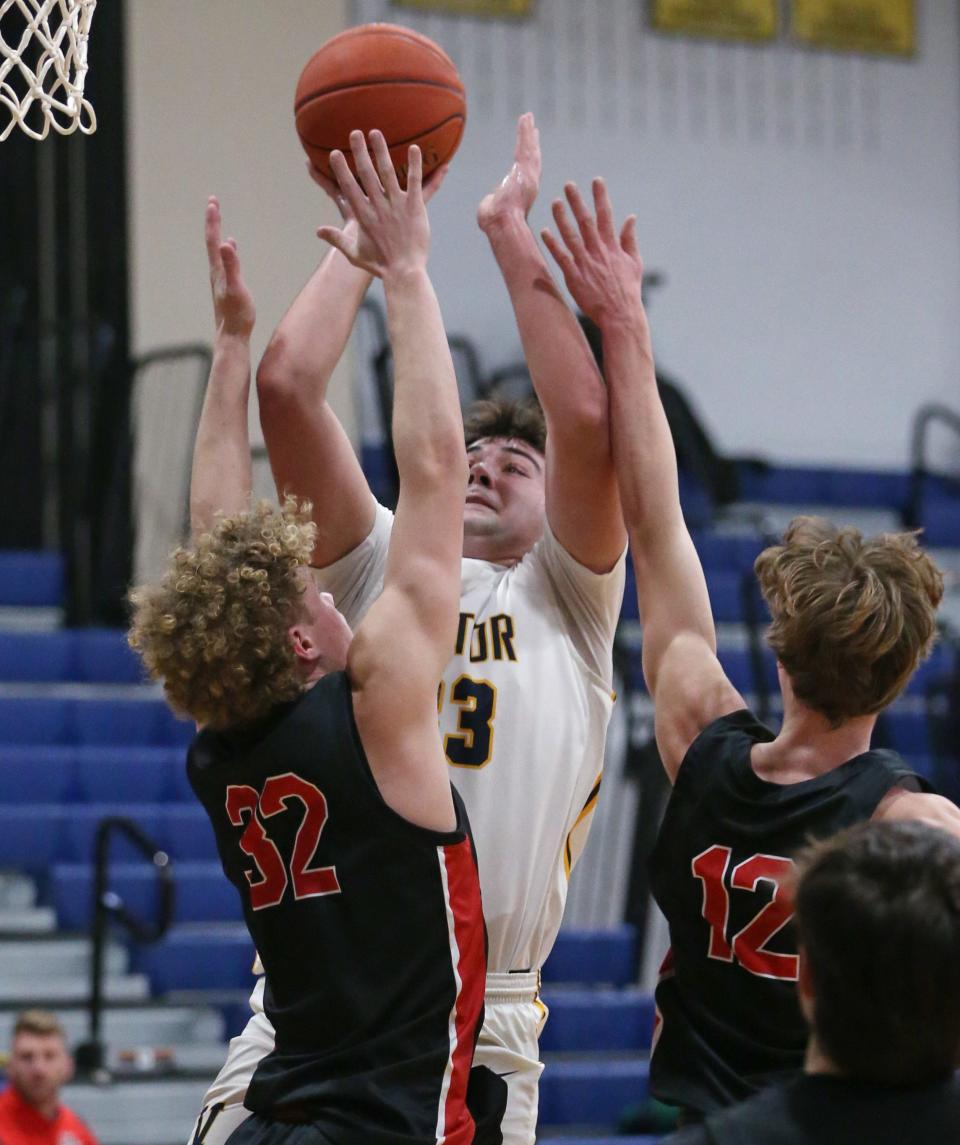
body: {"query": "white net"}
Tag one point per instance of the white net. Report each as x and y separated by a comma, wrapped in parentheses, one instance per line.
(43, 65)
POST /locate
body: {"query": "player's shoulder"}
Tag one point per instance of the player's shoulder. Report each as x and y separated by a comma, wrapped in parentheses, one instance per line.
(723, 744)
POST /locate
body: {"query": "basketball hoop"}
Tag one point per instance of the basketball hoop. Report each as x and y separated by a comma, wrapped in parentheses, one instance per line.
(43, 65)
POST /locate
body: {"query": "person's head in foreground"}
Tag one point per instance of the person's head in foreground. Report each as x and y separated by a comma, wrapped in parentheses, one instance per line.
(237, 625)
(504, 511)
(878, 920)
(852, 617)
(39, 1060)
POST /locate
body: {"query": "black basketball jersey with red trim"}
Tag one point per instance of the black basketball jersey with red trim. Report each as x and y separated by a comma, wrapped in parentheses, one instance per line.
(369, 928)
(728, 1021)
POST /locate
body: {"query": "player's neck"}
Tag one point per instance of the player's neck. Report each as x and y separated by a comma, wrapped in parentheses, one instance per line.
(816, 1061)
(809, 745)
(490, 549)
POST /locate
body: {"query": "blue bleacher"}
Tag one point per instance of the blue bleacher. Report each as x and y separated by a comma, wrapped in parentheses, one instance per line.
(30, 580)
(585, 1091)
(69, 720)
(77, 754)
(203, 894)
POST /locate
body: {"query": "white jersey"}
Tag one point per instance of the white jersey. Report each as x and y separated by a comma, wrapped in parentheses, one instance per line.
(524, 706)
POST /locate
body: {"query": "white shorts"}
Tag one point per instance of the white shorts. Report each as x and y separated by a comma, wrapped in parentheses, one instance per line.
(508, 1045)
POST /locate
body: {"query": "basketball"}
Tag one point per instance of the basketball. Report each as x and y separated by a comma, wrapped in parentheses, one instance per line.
(386, 77)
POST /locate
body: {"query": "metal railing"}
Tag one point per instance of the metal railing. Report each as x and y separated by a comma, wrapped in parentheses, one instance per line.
(926, 417)
(109, 908)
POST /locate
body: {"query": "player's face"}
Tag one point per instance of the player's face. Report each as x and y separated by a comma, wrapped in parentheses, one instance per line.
(504, 510)
(39, 1066)
(325, 625)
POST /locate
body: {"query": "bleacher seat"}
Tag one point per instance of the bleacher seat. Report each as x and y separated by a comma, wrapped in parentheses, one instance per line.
(199, 958)
(203, 893)
(601, 1020)
(584, 1092)
(30, 579)
(102, 655)
(592, 956)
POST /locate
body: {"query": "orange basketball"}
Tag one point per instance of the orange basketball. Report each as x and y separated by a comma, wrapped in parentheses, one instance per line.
(386, 77)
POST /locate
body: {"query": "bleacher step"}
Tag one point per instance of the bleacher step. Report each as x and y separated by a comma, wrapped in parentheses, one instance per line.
(27, 920)
(138, 1112)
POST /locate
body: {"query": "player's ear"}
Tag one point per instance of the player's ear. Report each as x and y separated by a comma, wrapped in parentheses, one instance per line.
(305, 646)
(805, 987)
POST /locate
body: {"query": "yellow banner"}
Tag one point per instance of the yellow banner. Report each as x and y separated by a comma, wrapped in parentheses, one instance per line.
(884, 27)
(718, 19)
(512, 9)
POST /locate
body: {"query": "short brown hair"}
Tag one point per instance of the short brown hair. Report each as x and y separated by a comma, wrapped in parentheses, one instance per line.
(878, 919)
(521, 420)
(40, 1022)
(852, 617)
(214, 631)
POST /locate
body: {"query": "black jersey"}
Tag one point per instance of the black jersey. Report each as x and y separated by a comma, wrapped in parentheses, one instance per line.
(822, 1110)
(369, 927)
(728, 1020)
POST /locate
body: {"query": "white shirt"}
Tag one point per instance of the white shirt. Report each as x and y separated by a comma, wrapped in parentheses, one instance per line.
(524, 707)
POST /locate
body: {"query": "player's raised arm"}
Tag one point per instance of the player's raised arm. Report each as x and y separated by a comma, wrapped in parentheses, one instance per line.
(220, 479)
(604, 272)
(400, 649)
(310, 453)
(581, 492)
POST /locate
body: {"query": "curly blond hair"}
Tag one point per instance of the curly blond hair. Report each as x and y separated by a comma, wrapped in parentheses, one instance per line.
(852, 616)
(214, 631)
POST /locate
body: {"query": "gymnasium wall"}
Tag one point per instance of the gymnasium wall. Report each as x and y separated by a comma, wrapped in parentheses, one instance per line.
(803, 205)
(210, 111)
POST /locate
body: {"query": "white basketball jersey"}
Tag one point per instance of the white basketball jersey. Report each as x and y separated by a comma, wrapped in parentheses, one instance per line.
(524, 706)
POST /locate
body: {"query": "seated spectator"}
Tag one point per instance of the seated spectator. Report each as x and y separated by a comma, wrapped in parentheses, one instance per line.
(30, 1108)
(878, 917)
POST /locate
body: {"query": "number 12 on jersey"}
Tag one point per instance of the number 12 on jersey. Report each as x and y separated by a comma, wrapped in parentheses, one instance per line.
(748, 945)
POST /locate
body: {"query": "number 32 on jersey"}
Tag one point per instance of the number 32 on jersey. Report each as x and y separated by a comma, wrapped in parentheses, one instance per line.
(748, 945)
(274, 873)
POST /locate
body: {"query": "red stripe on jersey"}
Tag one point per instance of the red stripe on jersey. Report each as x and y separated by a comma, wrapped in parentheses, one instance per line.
(469, 944)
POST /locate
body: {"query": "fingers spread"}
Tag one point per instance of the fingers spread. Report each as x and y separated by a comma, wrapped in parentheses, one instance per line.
(388, 176)
(585, 220)
(560, 255)
(366, 172)
(414, 171)
(335, 238)
(568, 232)
(604, 210)
(628, 237)
(348, 184)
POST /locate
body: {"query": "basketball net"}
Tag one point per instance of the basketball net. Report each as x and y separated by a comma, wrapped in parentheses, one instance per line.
(43, 65)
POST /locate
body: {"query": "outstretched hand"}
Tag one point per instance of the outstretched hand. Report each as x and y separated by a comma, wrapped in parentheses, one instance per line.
(233, 309)
(518, 191)
(386, 230)
(603, 270)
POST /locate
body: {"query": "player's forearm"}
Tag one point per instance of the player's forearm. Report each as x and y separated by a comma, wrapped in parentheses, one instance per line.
(562, 367)
(311, 337)
(221, 479)
(427, 424)
(643, 452)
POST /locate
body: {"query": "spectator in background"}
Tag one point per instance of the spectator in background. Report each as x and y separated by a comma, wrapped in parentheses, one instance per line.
(39, 1065)
(878, 917)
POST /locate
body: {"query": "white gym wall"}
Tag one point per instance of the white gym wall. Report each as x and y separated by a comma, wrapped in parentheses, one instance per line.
(804, 206)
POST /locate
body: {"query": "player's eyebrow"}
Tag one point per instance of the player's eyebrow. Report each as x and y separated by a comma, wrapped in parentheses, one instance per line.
(523, 453)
